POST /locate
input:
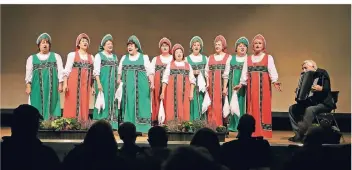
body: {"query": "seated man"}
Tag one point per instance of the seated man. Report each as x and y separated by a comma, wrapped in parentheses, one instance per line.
(23, 149)
(190, 158)
(153, 157)
(128, 134)
(247, 152)
(157, 137)
(320, 102)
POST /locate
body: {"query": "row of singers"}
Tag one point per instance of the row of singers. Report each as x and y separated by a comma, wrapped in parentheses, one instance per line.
(183, 83)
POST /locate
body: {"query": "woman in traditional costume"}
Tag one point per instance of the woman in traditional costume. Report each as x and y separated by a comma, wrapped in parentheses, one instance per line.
(158, 66)
(233, 78)
(198, 62)
(218, 64)
(44, 79)
(135, 73)
(105, 73)
(258, 73)
(178, 85)
(78, 80)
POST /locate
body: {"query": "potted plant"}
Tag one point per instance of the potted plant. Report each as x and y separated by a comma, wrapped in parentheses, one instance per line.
(63, 128)
(184, 130)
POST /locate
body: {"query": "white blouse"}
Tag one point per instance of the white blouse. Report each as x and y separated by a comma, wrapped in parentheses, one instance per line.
(135, 58)
(226, 73)
(166, 74)
(199, 58)
(255, 59)
(164, 60)
(219, 58)
(97, 62)
(71, 60)
(42, 57)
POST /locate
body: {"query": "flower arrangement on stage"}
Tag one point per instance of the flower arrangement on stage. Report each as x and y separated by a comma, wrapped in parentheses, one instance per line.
(191, 126)
(62, 124)
(221, 129)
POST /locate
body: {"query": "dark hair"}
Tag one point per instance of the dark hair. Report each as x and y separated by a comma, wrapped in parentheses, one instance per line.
(132, 42)
(100, 137)
(107, 41)
(157, 136)
(127, 131)
(46, 40)
(208, 139)
(25, 120)
(166, 44)
(246, 124)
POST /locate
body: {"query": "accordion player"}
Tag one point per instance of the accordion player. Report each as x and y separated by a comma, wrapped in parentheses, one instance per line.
(304, 91)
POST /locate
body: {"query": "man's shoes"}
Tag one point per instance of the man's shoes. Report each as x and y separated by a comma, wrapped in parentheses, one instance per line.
(296, 139)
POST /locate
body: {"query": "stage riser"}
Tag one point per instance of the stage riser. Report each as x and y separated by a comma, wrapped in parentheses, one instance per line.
(80, 135)
(69, 135)
(280, 120)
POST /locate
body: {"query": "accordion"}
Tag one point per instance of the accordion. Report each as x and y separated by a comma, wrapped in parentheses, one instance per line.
(303, 91)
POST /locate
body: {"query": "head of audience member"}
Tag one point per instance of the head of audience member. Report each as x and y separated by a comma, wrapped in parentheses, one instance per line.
(127, 133)
(315, 136)
(25, 122)
(190, 158)
(208, 139)
(100, 138)
(246, 126)
(157, 137)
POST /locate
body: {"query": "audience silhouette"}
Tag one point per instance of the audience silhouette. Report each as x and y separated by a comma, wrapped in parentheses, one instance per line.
(208, 139)
(247, 152)
(23, 150)
(190, 158)
(99, 150)
(153, 157)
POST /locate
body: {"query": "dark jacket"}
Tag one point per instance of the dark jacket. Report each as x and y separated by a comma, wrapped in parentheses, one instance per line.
(323, 96)
(244, 154)
(27, 154)
(83, 157)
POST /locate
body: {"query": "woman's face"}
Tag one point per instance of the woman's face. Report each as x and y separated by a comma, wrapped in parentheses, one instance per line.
(258, 45)
(108, 46)
(83, 43)
(165, 48)
(196, 47)
(178, 55)
(132, 49)
(218, 46)
(241, 49)
(44, 46)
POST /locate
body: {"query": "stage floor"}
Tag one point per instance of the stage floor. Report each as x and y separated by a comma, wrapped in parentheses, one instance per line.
(280, 138)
